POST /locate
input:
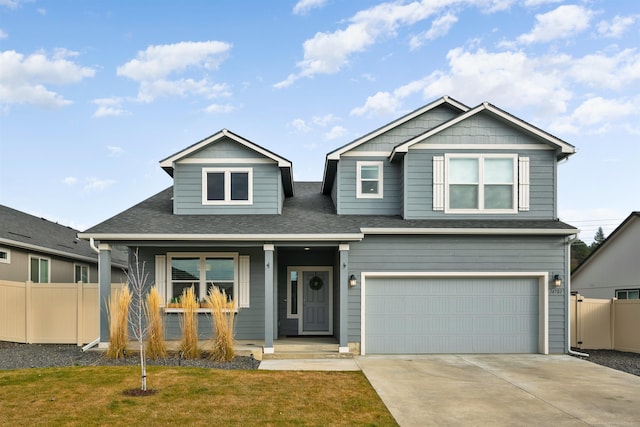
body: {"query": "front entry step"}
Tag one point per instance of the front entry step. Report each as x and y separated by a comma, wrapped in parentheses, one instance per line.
(283, 351)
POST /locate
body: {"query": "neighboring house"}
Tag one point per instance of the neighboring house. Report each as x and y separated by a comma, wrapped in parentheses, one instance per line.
(42, 251)
(613, 269)
(436, 233)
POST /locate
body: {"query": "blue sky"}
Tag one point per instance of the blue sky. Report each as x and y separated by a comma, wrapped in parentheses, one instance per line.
(93, 94)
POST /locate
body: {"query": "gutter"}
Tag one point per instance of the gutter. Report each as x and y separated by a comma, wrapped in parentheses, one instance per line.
(91, 344)
(570, 241)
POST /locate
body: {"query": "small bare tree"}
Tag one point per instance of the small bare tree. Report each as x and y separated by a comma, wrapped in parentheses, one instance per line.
(137, 279)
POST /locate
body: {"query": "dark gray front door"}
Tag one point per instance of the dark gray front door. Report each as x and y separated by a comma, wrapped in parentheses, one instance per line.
(316, 294)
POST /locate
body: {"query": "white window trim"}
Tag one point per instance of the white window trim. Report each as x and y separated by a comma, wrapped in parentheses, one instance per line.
(359, 193)
(82, 266)
(6, 260)
(203, 281)
(39, 258)
(481, 158)
(227, 186)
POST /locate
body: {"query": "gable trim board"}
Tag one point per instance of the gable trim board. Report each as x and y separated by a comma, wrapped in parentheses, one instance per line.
(543, 296)
(564, 148)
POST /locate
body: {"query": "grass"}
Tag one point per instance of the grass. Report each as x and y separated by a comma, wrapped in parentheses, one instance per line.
(189, 396)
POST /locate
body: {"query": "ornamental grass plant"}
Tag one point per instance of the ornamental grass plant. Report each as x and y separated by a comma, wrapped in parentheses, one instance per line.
(189, 324)
(223, 317)
(118, 311)
(156, 347)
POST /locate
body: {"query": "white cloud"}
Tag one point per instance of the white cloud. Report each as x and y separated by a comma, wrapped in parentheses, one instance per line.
(617, 26)
(304, 6)
(380, 104)
(300, 125)
(533, 3)
(11, 4)
(600, 70)
(115, 151)
(151, 90)
(595, 115)
(42, 11)
(70, 180)
(324, 120)
(3, 34)
(219, 108)
(562, 22)
(97, 184)
(335, 133)
(109, 107)
(439, 28)
(23, 78)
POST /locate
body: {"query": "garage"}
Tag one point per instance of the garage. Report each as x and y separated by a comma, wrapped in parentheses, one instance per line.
(412, 315)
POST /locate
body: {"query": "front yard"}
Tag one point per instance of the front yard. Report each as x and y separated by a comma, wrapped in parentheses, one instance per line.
(190, 396)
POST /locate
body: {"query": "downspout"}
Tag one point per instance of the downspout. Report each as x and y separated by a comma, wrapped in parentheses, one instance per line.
(95, 342)
(570, 241)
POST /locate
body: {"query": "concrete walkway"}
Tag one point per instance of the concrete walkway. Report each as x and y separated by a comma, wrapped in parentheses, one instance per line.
(310, 365)
(503, 390)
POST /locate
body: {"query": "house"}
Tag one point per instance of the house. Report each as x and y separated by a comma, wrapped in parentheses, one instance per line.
(436, 233)
(41, 251)
(613, 269)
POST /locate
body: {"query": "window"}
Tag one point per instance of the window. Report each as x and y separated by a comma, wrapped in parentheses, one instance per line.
(81, 273)
(5, 256)
(484, 183)
(628, 294)
(203, 271)
(369, 180)
(231, 186)
(39, 269)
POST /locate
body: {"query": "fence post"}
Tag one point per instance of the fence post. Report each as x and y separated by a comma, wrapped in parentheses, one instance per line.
(79, 313)
(612, 313)
(27, 310)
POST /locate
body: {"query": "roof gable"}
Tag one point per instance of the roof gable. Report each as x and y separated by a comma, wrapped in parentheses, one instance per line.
(563, 148)
(285, 165)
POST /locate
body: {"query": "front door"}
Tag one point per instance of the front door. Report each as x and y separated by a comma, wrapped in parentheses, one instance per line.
(316, 291)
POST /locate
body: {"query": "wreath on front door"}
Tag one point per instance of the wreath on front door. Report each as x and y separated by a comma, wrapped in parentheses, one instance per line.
(315, 283)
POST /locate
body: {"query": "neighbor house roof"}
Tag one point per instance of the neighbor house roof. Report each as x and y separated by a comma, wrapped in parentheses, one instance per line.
(21, 230)
(564, 149)
(285, 165)
(310, 216)
(634, 216)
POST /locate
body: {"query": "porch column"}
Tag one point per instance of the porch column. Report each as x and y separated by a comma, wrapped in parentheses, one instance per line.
(104, 292)
(268, 299)
(344, 298)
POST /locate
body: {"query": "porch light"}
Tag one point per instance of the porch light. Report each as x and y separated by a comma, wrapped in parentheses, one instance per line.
(557, 281)
(352, 281)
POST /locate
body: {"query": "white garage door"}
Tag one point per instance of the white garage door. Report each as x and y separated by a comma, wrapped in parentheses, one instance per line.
(451, 315)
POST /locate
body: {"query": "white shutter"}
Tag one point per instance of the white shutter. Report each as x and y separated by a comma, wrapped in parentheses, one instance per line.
(523, 183)
(243, 282)
(161, 277)
(438, 183)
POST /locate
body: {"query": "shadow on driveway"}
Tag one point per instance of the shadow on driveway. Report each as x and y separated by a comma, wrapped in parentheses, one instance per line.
(503, 390)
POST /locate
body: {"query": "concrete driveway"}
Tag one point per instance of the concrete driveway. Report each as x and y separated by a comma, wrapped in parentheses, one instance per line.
(503, 390)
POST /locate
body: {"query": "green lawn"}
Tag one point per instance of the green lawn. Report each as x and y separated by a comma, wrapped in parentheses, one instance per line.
(189, 396)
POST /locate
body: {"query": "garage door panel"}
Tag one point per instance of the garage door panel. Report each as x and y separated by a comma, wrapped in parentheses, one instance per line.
(445, 315)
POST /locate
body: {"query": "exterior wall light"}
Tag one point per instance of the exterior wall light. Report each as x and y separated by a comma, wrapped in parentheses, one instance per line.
(557, 281)
(352, 281)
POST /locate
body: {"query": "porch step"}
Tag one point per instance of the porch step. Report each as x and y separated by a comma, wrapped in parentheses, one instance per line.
(306, 351)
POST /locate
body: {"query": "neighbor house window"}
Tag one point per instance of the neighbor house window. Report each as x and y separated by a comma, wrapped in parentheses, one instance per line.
(369, 180)
(628, 294)
(203, 272)
(39, 271)
(227, 186)
(481, 183)
(81, 273)
(5, 256)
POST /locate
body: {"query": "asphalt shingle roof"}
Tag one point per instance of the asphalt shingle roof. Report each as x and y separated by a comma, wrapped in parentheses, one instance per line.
(308, 212)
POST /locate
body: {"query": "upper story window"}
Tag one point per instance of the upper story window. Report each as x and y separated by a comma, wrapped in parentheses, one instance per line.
(5, 256)
(227, 186)
(369, 180)
(481, 183)
(39, 271)
(81, 273)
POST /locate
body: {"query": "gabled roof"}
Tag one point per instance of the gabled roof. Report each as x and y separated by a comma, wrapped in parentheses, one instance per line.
(333, 157)
(19, 229)
(634, 216)
(285, 165)
(564, 149)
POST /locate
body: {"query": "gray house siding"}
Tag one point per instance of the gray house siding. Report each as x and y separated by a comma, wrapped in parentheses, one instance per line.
(461, 254)
(267, 191)
(349, 204)
(419, 185)
(250, 321)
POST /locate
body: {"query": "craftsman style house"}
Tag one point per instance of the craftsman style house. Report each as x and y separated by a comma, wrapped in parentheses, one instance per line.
(436, 233)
